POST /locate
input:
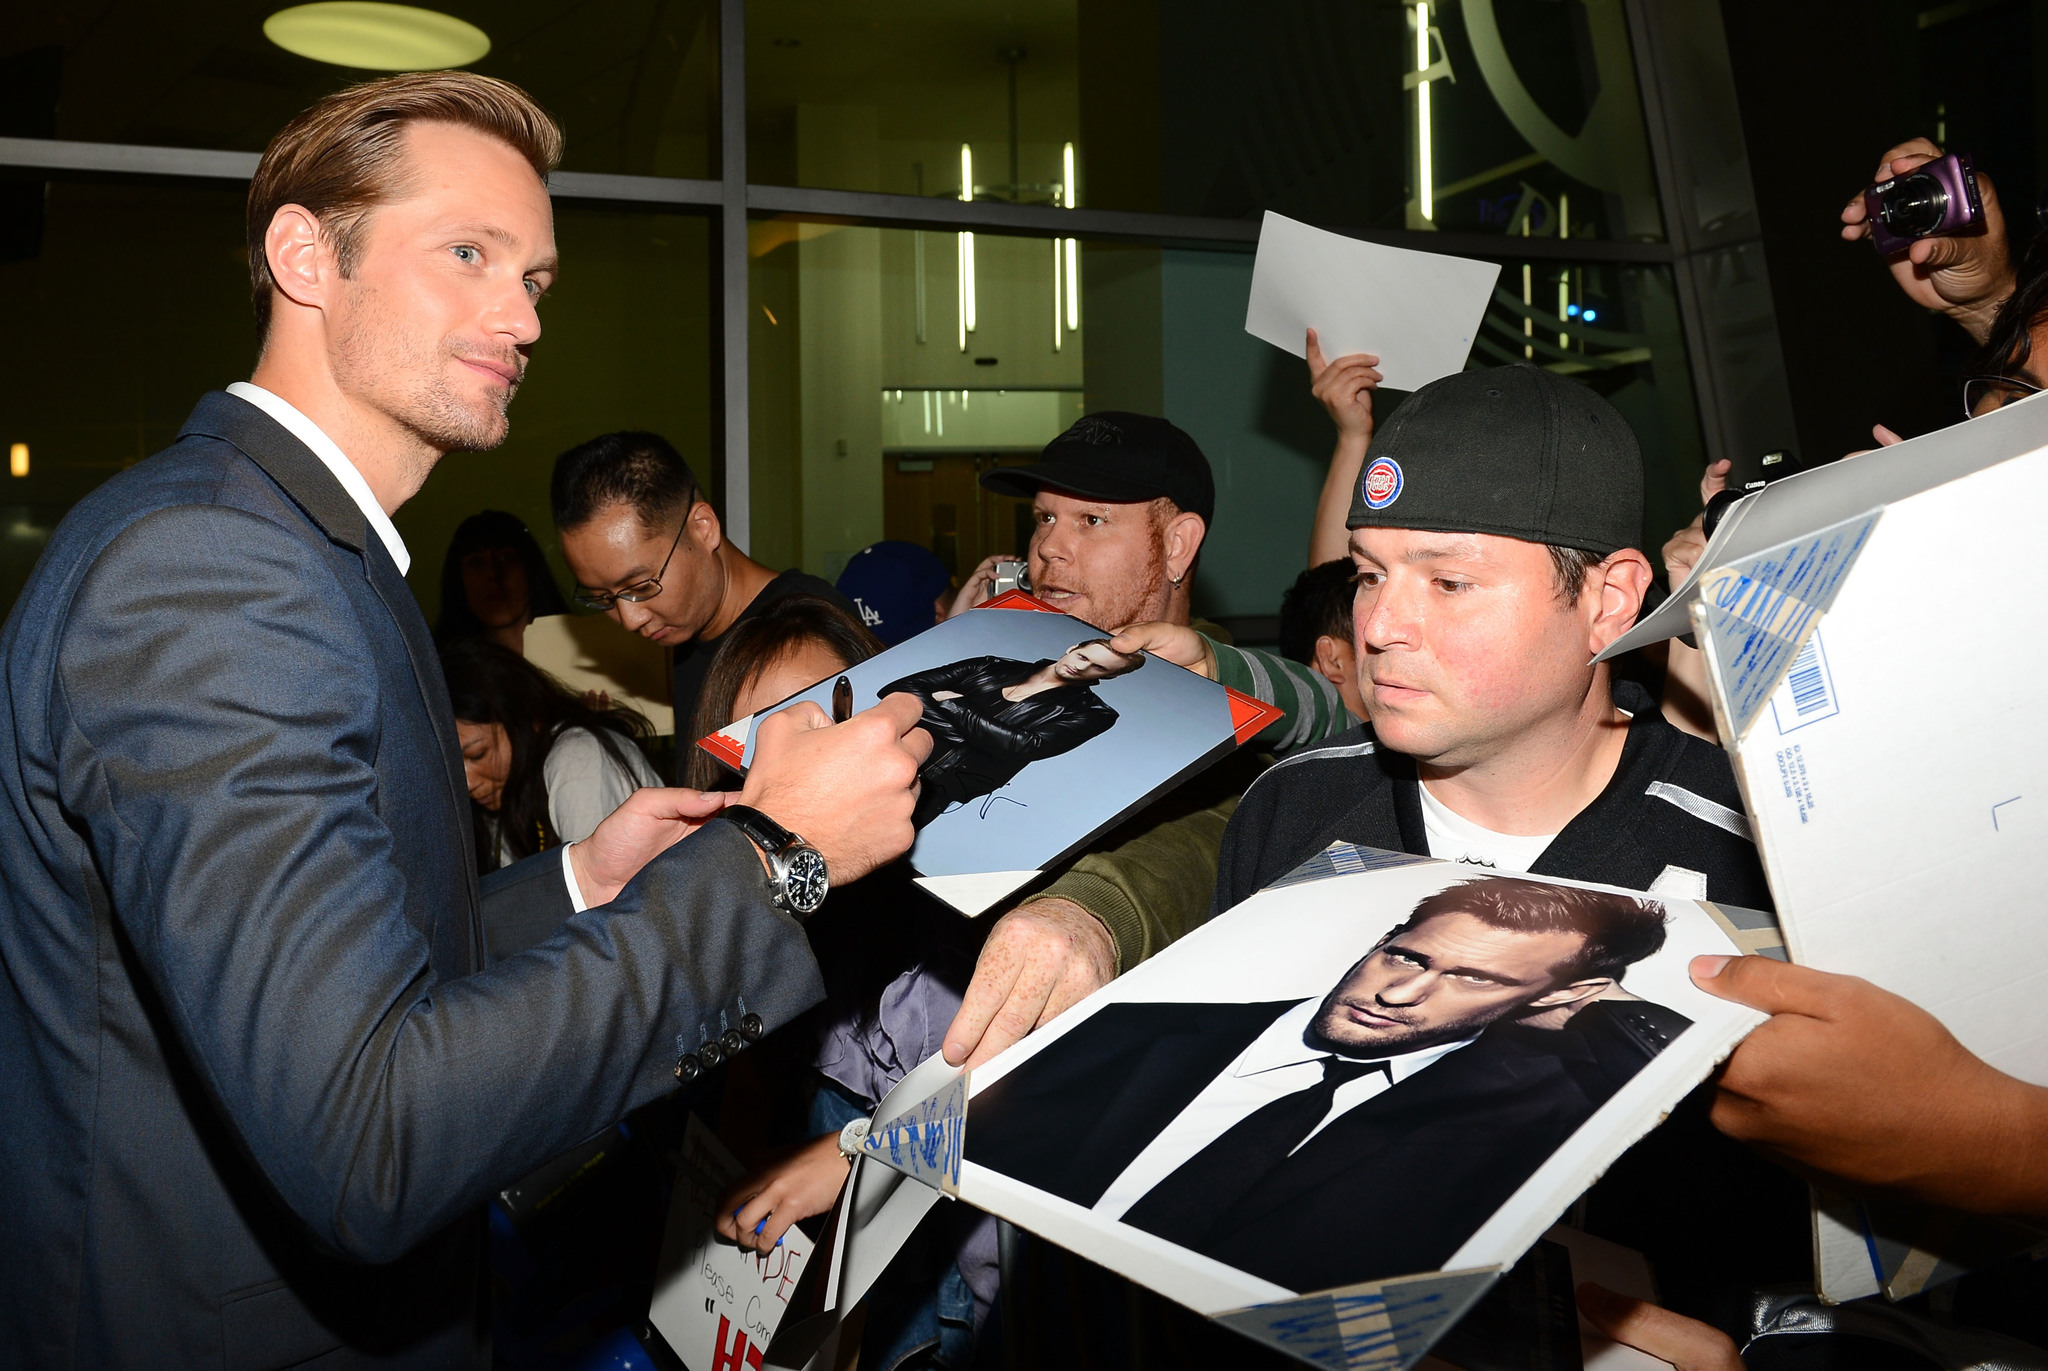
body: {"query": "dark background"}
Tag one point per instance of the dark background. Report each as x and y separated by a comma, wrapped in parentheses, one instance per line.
(1825, 87)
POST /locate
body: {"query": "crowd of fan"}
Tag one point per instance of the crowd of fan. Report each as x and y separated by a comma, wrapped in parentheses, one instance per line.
(1845, 1081)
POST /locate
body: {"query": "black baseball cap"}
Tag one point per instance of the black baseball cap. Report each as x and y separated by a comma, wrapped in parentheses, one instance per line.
(1121, 458)
(1515, 451)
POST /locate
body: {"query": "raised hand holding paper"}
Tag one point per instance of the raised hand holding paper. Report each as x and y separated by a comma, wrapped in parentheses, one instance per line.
(1417, 311)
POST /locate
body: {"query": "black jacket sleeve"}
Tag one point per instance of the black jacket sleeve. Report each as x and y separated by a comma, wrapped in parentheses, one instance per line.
(1035, 731)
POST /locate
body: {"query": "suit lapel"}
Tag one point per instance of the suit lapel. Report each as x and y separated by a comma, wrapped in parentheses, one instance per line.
(1186, 1047)
(426, 670)
(302, 476)
(305, 479)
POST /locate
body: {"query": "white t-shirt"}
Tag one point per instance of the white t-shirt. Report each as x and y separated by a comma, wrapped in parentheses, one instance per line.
(585, 785)
(1455, 838)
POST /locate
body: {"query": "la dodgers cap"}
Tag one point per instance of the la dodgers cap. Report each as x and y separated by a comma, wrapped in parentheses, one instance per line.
(1121, 458)
(895, 586)
(1515, 451)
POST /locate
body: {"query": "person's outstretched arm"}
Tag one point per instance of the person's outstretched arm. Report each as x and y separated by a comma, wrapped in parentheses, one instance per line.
(223, 715)
(1860, 1084)
(1105, 914)
(1314, 708)
(1687, 1344)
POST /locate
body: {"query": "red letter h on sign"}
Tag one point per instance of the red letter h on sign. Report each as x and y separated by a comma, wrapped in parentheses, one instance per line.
(740, 1356)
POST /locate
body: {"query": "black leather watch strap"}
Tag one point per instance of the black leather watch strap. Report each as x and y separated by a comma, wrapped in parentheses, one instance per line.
(768, 835)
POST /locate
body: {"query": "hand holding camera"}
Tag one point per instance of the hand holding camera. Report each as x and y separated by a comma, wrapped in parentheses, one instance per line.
(996, 574)
(1940, 223)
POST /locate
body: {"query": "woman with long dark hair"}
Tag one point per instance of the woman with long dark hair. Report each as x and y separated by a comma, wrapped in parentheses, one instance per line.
(494, 582)
(796, 642)
(895, 964)
(544, 768)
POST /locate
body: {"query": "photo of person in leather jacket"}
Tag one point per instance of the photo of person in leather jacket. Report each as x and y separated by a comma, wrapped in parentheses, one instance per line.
(990, 717)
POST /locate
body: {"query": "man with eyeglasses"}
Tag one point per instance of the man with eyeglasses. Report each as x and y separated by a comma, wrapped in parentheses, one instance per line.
(648, 549)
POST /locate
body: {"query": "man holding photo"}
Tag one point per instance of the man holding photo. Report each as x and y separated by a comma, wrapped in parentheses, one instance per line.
(1497, 535)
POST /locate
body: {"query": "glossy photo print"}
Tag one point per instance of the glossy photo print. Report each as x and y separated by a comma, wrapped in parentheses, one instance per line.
(1043, 735)
(1382, 1069)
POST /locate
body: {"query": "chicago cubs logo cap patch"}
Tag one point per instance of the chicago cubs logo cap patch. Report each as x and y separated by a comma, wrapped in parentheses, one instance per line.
(1381, 484)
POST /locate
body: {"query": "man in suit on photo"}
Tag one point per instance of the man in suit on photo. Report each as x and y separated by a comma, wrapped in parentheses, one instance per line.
(990, 717)
(259, 1077)
(1362, 1135)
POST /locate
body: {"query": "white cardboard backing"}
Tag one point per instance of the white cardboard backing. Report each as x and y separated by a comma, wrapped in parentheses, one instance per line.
(1897, 782)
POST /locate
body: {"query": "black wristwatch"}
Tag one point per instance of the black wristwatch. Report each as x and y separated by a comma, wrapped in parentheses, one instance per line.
(795, 868)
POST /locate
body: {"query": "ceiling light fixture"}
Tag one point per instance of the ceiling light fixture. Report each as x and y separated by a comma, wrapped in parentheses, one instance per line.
(376, 37)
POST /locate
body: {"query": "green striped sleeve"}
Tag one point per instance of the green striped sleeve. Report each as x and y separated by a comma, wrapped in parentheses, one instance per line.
(1315, 710)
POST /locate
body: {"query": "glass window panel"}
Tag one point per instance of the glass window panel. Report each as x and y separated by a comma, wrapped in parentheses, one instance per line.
(849, 97)
(634, 83)
(1489, 116)
(863, 430)
(104, 352)
(95, 376)
(867, 379)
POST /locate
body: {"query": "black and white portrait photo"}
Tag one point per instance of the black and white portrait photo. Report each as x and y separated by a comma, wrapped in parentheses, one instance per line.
(1349, 1079)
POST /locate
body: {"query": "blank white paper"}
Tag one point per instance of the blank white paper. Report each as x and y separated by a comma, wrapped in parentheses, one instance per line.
(1418, 312)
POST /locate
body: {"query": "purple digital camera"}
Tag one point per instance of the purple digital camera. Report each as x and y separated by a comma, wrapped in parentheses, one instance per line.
(1934, 200)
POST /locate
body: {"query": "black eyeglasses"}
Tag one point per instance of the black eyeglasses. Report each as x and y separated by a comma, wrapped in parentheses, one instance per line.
(1982, 394)
(637, 593)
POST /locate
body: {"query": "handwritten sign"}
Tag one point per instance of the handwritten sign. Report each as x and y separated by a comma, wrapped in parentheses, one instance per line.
(718, 1306)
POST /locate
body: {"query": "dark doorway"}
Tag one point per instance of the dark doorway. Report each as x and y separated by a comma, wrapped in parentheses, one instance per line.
(936, 499)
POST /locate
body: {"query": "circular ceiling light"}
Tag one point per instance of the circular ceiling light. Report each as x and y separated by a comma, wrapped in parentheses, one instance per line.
(376, 37)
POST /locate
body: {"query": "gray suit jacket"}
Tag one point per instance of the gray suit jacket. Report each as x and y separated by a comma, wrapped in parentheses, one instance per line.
(256, 1080)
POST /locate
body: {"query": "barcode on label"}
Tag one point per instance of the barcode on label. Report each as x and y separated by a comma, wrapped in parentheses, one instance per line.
(1808, 694)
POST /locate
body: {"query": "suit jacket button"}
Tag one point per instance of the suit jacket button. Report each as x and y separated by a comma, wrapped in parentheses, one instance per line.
(688, 1068)
(732, 1042)
(713, 1054)
(752, 1029)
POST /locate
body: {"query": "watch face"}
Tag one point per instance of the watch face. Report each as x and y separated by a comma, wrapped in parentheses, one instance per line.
(806, 881)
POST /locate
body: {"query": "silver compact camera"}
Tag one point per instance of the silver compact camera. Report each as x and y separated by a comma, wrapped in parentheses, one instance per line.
(1010, 576)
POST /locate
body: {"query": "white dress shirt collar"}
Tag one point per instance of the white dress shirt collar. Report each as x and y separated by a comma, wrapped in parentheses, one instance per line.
(1284, 1043)
(334, 459)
